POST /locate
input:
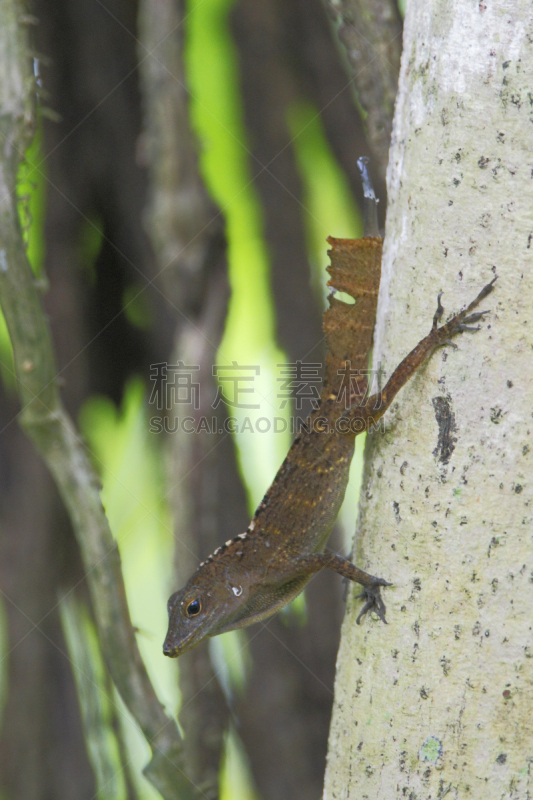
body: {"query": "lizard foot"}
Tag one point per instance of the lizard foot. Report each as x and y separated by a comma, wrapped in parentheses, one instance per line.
(464, 321)
(374, 600)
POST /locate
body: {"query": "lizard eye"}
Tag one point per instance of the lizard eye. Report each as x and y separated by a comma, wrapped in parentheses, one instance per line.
(194, 608)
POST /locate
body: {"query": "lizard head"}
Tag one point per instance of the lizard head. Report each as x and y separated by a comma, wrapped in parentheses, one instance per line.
(196, 612)
(190, 613)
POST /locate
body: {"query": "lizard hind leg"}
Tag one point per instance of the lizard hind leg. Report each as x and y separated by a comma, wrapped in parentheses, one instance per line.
(363, 417)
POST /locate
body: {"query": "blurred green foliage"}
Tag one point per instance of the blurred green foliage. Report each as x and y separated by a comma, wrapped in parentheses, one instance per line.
(31, 191)
(31, 195)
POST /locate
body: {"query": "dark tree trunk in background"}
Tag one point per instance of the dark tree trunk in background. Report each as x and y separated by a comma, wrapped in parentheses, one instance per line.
(95, 180)
(371, 35)
(317, 66)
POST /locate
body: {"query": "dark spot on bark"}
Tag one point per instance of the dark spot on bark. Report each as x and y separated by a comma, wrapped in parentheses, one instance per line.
(483, 162)
(445, 664)
(447, 427)
(518, 488)
(502, 758)
(496, 415)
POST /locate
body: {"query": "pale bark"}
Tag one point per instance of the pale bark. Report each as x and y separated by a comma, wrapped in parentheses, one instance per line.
(439, 703)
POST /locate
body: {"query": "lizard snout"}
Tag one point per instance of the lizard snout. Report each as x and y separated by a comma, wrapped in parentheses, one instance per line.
(169, 649)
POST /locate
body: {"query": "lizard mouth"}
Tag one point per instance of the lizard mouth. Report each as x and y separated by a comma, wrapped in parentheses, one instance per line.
(171, 652)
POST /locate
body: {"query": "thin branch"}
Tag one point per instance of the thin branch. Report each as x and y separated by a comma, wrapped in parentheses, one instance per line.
(371, 31)
(46, 423)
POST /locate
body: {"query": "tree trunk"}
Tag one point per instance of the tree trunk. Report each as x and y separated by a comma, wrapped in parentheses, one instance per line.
(440, 702)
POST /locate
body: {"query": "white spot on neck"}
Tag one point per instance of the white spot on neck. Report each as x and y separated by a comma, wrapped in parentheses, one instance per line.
(237, 590)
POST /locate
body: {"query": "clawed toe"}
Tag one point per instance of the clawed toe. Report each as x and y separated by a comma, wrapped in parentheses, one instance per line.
(439, 312)
(474, 317)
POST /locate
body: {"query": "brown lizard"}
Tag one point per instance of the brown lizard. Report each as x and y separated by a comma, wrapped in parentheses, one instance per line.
(258, 572)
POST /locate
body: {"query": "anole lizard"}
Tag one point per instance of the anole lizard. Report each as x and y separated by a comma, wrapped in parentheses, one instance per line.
(258, 572)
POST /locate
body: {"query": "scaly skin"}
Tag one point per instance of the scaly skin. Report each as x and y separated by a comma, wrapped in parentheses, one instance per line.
(255, 574)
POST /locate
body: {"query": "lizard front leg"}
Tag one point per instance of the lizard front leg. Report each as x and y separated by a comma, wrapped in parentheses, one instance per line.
(307, 566)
